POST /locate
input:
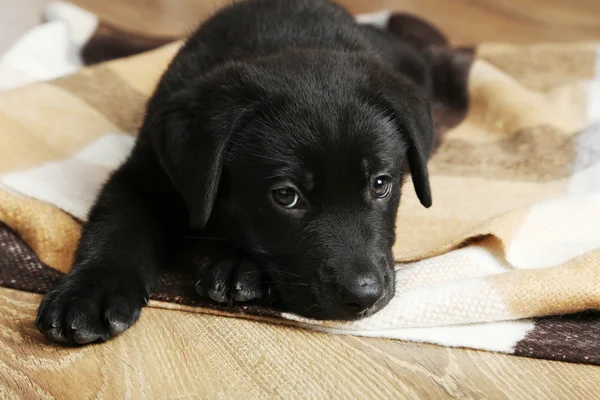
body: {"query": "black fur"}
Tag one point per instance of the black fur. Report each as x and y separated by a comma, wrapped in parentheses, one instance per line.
(266, 94)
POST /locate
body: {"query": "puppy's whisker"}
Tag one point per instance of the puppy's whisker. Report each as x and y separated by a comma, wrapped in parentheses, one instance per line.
(262, 156)
(311, 307)
(280, 276)
(288, 283)
(248, 272)
(277, 271)
(299, 284)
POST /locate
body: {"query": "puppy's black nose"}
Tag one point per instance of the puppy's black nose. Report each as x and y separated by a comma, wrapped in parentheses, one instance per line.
(362, 293)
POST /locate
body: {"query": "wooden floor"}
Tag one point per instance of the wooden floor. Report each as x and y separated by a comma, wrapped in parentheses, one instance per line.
(423, 370)
(465, 21)
(207, 354)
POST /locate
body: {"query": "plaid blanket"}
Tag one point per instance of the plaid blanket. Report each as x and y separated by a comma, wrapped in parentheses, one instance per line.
(510, 247)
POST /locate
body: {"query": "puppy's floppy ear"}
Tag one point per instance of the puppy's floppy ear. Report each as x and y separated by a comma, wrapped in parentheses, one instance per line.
(191, 134)
(420, 134)
(411, 111)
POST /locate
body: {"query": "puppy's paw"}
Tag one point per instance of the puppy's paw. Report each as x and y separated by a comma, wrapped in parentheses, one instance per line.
(232, 277)
(91, 307)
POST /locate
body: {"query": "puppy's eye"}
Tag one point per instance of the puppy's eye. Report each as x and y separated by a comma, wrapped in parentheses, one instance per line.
(381, 187)
(285, 197)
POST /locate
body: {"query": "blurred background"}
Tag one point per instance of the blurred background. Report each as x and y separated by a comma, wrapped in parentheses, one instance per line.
(465, 21)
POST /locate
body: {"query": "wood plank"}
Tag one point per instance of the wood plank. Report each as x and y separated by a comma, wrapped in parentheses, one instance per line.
(465, 21)
(176, 354)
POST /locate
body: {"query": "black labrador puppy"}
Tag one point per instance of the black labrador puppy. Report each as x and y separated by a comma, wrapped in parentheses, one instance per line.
(284, 127)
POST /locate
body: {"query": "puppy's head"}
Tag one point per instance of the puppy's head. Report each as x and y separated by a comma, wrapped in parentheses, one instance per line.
(300, 159)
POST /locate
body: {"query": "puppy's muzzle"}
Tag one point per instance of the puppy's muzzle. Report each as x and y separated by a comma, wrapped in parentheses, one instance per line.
(362, 293)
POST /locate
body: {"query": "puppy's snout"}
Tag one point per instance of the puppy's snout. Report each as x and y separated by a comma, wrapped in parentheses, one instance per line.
(362, 293)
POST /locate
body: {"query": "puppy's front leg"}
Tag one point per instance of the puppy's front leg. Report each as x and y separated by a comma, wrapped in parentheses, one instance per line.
(116, 263)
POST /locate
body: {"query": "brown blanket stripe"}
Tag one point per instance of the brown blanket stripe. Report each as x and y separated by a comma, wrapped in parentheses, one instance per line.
(573, 338)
